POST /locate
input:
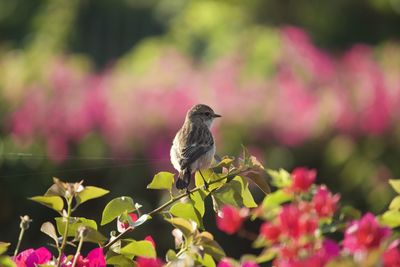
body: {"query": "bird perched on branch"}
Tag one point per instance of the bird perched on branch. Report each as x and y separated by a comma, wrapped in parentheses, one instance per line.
(193, 147)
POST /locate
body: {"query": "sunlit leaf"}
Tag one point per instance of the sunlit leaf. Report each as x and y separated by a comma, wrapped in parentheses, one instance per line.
(229, 193)
(142, 248)
(49, 229)
(197, 199)
(90, 192)
(187, 227)
(395, 183)
(275, 199)
(120, 261)
(53, 202)
(209, 175)
(207, 261)
(74, 224)
(247, 197)
(395, 204)
(3, 247)
(280, 178)
(266, 255)
(6, 261)
(162, 180)
(391, 218)
(186, 211)
(116, 207)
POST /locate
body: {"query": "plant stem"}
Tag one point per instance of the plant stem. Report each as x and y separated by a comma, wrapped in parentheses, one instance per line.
(170, 202)
(21, 235)
(64, 240)
(78, 250)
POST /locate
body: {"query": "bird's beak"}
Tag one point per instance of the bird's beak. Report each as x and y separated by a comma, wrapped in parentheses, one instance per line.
(217, 116)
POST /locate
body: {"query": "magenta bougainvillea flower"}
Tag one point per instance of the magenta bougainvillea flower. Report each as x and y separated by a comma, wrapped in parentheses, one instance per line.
(225, 262)
(294, 222)
(391, 257)
(303, 178)
(95, 258)
(364, 234)
(33, 257)
(148, 262)
(270, 232)
(230, 219)
(324, 202)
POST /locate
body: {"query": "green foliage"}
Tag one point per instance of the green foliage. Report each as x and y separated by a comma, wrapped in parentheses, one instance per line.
(162, 180)
(116, 207)
(142, 248)
(54, 202)
(280, 178)
(90, 192)
(74, 224)
(49, 229)
(3, 247)
(187, 211)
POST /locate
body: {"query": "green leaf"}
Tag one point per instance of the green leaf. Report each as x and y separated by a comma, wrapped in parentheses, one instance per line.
(225, 162)
(207, 261)
(275, 199)
(209, 175)
(116, 207)
(92, 235)
(197, 198)
(187, 211)
(280, 178)
(229, 193)
(120, 261)
(49, 229)
(391, 218)
(162, 180)
(395, 204)
(395, 183)
(90, 192)
(53, 202)
(187, 227)
(3, 247)
(74, 224)
(247, 197)
(266, 255)
(142, 248)
(212, 248)
(6, 261)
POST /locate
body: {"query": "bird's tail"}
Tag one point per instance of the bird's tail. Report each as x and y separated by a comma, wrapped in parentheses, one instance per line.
(183, 180)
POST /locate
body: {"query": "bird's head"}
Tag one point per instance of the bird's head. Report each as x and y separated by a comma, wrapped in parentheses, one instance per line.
(202, 113)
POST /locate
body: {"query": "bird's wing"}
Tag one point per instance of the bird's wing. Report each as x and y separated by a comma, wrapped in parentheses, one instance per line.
(198, 142)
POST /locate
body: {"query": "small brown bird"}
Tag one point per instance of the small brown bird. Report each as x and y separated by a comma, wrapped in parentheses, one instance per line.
(193, 147)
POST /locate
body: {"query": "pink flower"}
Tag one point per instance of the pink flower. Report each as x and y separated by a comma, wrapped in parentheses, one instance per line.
(303, 178)
(123, 225)
(289, 220)
(391, 257)
(270, 231)
(32, 257)
(148, 262)
(364, 234)
(225, 262)
(230, 219)
(324, 202)
(96, 258)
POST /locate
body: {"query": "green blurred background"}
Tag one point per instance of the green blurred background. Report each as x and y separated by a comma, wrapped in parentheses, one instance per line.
(96, 89)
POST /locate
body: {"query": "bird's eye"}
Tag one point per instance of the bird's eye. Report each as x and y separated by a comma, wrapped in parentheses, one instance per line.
(207, 113)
